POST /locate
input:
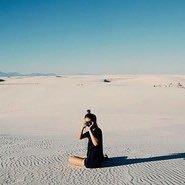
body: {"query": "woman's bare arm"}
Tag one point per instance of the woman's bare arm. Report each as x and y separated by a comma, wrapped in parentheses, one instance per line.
(81, 133)
(95, 141)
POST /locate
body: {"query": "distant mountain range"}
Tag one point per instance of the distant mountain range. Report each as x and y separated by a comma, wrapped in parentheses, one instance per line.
(11, 74)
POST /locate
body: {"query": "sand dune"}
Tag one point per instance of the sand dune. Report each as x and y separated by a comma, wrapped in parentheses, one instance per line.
(143, 129)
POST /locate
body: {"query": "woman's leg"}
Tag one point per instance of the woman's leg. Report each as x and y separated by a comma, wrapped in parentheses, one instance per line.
(77, 161)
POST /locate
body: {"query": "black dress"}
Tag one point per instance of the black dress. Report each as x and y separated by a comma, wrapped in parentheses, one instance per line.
(94, 153)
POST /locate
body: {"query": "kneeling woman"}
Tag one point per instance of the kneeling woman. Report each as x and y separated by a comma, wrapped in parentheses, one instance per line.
(95, 144)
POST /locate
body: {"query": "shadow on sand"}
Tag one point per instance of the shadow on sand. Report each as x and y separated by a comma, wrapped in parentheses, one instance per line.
(122, 160)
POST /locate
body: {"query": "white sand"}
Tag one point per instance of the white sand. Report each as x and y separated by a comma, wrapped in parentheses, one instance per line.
(143, 127)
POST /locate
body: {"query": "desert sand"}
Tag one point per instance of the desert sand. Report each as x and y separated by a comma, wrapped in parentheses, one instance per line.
(143, 129)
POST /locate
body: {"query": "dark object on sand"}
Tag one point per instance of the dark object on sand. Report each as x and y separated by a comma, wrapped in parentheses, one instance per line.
(58, 76)
(179, 85)
(2, 80)
(105, 80)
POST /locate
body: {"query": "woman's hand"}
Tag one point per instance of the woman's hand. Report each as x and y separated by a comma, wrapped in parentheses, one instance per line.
(84, 125)
(89, 128)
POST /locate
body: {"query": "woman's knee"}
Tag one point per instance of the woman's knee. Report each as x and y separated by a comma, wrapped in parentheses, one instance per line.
(70, 159)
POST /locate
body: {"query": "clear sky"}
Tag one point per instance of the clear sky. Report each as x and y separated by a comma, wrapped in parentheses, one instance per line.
(92, 36)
